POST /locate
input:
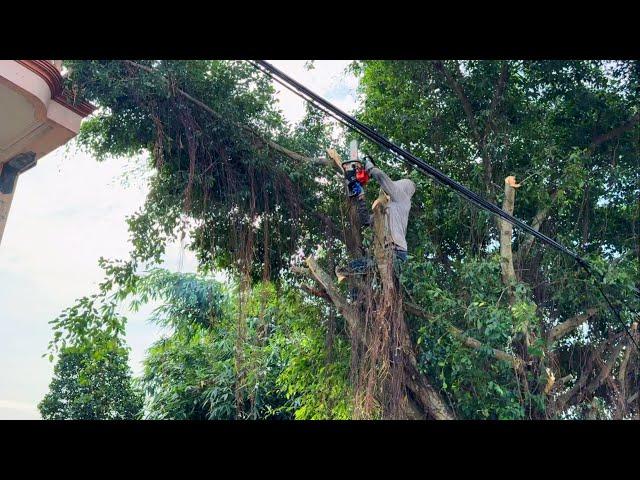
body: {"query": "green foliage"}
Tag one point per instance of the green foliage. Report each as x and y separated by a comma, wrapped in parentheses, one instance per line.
(189, 377)
(249, 210)
(191, 373)
(92, 379)
(206, 166)
(316, 386)
(542, 131)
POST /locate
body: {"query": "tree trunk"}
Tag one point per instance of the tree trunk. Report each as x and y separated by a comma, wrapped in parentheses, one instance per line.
(403, 392)
(506, 232)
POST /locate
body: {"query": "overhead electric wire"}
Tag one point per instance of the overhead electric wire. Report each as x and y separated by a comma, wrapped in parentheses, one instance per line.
(366, 131)
(308, 100)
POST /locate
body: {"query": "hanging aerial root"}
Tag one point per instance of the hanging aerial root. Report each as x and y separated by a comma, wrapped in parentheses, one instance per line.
(422, 399)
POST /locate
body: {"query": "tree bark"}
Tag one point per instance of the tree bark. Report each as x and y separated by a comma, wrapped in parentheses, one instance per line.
(422, 399)
(616, 132)
(538, 219)
(426, 399)
(506, 232)
(569, 325)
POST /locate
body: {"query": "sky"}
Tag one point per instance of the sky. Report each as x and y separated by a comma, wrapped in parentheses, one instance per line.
(69, 211)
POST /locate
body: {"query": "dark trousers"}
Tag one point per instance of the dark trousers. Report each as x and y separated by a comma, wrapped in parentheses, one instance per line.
(399, 259)
(400, 254)
(366, 264)
(363, 211)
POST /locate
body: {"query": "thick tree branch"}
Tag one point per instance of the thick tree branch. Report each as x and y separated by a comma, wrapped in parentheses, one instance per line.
(563, 400)
(571, 324)
(316, 292)
(605, 371)
(466, 339)
(583, 386)
(427, 398)
(279, 148)
(424, 393)
(621, 408)
(621, 404)
(616, 132)
(506, 233)
(536, 223)
(329, 286)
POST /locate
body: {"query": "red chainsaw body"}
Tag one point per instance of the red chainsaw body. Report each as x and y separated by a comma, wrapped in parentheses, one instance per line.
(361, 175)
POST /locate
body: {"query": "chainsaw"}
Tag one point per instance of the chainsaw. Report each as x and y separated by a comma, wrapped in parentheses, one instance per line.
(354, 172)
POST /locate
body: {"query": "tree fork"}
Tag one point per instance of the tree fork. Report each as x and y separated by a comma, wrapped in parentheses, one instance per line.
(422, 399)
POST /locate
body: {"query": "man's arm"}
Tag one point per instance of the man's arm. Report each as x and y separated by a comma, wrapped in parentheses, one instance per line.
(383, 179)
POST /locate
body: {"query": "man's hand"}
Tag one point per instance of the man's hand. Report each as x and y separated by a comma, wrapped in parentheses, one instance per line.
(368, 164)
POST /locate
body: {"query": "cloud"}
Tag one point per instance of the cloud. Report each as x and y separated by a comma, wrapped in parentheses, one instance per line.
(66, 213)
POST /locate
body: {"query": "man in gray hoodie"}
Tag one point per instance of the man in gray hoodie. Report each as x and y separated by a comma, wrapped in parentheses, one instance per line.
(397, 218)
(399, 193)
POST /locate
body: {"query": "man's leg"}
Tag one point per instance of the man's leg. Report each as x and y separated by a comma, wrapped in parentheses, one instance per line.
(399, 258)
(363, 211)
(357, 193)
(401, 255)
(360, 266)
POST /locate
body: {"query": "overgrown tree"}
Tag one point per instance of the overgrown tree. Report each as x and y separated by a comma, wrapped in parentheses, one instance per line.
(488, 324)
(568, 132)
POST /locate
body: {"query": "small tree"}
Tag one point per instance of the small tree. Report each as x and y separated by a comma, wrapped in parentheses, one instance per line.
(92, 378)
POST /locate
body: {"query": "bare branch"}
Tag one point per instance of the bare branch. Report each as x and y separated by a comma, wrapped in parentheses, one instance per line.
(329, 286)
(316, 292)
(301, 270)
(621, 408)
(536, 223)
(583, 388)
(605, 371)
(506, 233)
(568, 326)
(616, 132)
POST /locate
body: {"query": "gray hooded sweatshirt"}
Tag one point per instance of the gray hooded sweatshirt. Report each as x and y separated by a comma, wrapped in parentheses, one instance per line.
(400, 193)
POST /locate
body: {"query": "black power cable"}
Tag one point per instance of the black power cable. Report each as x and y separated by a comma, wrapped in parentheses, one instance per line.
(418, 162)
(366, 131)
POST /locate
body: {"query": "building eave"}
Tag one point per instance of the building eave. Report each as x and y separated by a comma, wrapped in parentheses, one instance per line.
(50, 74)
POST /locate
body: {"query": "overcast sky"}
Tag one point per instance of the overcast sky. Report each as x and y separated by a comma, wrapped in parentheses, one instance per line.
(69, 211)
